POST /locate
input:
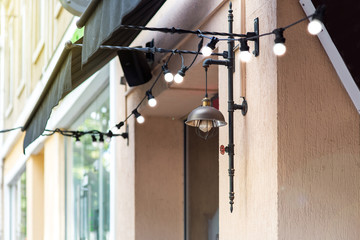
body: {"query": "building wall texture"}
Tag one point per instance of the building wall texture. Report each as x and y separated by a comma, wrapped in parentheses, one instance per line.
(318, 141)
(297, 150)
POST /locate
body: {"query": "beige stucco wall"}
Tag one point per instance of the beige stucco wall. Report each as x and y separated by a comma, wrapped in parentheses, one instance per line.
(159, 159)
(54, 189)
(35, 197)
(297, 150)
(14, 155)
(319, 141)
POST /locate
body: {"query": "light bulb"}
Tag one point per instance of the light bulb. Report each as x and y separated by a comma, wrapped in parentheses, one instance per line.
(245, 56)
(140, 119)
(205, 125)
(78, 143)
(279, 49)
(178, 78)
(169, 77)
(206, 51)
(315, 27)
(152, 102)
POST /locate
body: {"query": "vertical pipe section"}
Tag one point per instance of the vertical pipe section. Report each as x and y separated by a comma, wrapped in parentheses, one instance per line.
(231, 107)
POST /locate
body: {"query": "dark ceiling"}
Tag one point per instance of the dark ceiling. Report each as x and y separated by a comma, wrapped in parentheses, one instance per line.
(342, 21)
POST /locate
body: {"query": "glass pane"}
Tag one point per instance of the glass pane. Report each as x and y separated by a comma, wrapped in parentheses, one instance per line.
(90, 175)
(18, 209)
(23, 206)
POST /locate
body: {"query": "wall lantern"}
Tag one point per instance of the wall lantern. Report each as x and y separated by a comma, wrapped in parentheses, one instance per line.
(205, 118)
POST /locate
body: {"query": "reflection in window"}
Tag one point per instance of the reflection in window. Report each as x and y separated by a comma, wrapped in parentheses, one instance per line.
(18, 209)
(88, 177)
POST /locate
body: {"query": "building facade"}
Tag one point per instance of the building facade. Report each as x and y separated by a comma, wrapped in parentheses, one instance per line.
(297, 149)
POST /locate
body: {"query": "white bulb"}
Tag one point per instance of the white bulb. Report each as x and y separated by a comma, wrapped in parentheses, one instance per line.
(95, 144)
(140, 119)
(206, 51)
(205, 125)
(78, 144)
(169, 77)
(279, 49)
(152, 102)
(178, 78)
(245, 56)
(315, 27)
(101, 144)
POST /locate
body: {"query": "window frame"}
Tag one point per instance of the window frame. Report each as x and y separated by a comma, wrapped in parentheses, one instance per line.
(10, 185)
(40, 43)
(20, 86)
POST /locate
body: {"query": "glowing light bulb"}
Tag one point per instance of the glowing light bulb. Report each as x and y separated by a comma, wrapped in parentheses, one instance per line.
(178, 78)
(206, 51)
(169, 77)
(245, 56)
(94, 141)
(279, 49)
(78, 143)
(152, 102)
(140, 119)
(315, 27)
(205, 125)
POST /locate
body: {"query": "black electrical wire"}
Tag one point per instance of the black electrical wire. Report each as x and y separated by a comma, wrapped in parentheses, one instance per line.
(197, 53)
(179, 31)
(11, 129)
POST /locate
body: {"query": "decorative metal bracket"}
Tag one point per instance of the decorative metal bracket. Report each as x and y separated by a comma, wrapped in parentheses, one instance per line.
(253, 36)
(243, 107)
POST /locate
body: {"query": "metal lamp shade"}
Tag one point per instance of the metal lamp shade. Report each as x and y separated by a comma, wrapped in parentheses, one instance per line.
(208, 114)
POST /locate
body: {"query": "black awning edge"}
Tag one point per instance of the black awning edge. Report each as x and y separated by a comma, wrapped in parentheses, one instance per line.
(59, 87)
(87, 13)
(103, 22)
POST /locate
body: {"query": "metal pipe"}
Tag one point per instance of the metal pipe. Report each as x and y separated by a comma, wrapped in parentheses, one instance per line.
(231, 108)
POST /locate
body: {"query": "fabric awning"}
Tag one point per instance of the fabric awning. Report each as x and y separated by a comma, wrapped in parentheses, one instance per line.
(68, 73)
(75, 65)
(103, 18)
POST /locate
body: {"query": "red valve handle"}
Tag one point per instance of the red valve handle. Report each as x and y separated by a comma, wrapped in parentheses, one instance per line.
(222, 149)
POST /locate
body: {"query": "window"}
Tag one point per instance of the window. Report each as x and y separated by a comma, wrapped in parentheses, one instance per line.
(18, 209)
(21, 51)
(10, 66)
(38, 29)
(88, 176)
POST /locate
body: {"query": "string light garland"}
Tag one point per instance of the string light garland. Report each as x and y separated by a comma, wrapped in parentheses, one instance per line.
(245, 55)
(279, 47)
(315, 27)
(77, 134)
(96, 136)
